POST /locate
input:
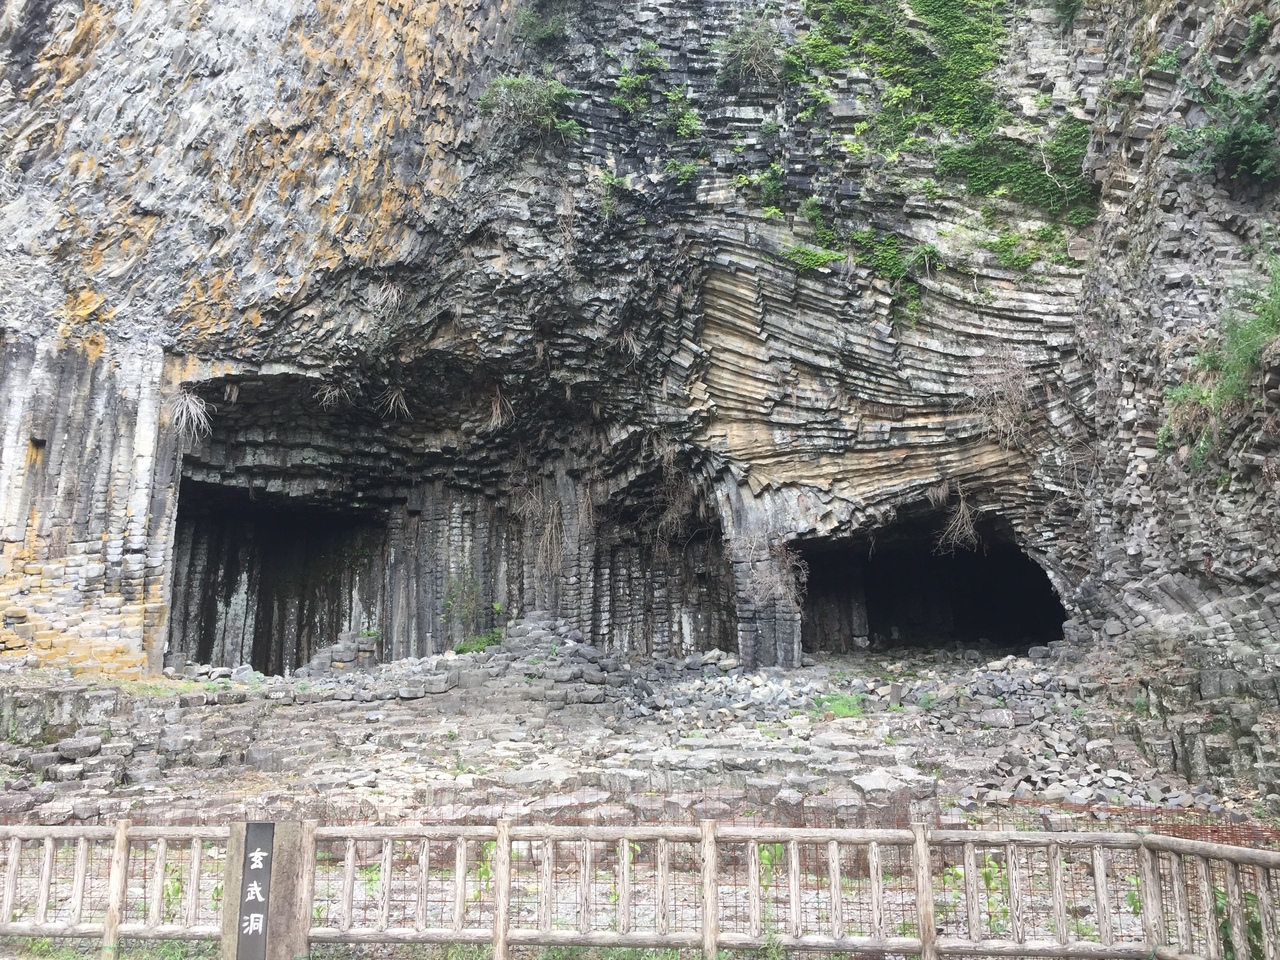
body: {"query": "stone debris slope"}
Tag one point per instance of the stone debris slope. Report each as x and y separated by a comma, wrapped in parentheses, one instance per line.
(546, 725)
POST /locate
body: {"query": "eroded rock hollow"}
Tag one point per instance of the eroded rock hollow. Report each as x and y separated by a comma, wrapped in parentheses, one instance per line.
(399, 319)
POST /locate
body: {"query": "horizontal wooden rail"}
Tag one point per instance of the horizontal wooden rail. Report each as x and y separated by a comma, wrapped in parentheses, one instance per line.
(707, 887)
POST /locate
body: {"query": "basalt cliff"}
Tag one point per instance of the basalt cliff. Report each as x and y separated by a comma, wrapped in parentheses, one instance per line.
(771, 329)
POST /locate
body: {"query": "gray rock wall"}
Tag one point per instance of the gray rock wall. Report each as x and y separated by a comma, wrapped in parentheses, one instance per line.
(553, 375)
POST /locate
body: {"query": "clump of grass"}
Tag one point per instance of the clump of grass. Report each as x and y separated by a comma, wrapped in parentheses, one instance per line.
(839, 704)
(807, 258)
(752, 53)
(541, 29)
(481, 642)
(526, 105)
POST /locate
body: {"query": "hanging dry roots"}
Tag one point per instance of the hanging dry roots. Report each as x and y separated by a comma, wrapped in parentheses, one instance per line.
(939, 493)
(960, 532)
(189, 415)
(500, 410)
(1002, 396)
(386, 296)
(392, 404)
(329, 395)
(550, 558)
(778, 574)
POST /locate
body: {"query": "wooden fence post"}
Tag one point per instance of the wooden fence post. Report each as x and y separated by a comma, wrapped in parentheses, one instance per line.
(710, 897)
(116, 890)
(289, 921)
(232, 879)
(924, 894)
(501, 889)
(1149, 892)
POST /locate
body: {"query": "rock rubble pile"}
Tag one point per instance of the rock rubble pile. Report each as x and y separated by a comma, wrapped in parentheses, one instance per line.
(543, 716)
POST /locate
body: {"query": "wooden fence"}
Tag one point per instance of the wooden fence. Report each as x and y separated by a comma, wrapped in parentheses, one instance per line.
(918, 891)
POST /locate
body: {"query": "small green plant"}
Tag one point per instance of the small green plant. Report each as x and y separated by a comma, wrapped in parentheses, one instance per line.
(635, 83)
(529, 105)
(769, 183)
(370, 875)
(1238, 137)
(684, 172)
(1124, 86)
(818, 97)
(542, 29)
(171, 891)
(771, 857)
(1166, 61)
(681, 118)
(484, 867)
(811, 210)
(995, 882)
(1259, 30)
(1011, 252)
(1252, 924)
(1133, 894)
(611, 187)
(1066, 10)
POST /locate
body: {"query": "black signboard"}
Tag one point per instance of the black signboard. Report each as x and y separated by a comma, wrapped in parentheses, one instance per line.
(255, 891)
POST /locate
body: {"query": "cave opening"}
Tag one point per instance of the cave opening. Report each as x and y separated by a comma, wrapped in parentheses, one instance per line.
(899, 590)
(267, 581)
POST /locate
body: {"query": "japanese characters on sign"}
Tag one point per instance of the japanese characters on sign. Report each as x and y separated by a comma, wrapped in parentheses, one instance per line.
(255, 891)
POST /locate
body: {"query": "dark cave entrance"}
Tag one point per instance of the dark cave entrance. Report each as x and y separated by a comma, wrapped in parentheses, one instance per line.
(265, 581)
(897, 590)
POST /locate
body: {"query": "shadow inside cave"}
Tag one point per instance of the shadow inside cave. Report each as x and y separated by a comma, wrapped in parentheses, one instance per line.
(898, 590)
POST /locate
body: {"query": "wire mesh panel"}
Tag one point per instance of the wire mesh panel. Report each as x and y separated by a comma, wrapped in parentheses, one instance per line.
(900, 917)
(528, 858)
(735, 890)
(684, 900)
(478, 903)
(78, 892)
(23, 865)
(172, 882)
(650, 877)
(58, 881)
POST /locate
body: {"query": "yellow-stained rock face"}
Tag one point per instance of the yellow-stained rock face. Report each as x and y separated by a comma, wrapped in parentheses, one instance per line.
(389, 319)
